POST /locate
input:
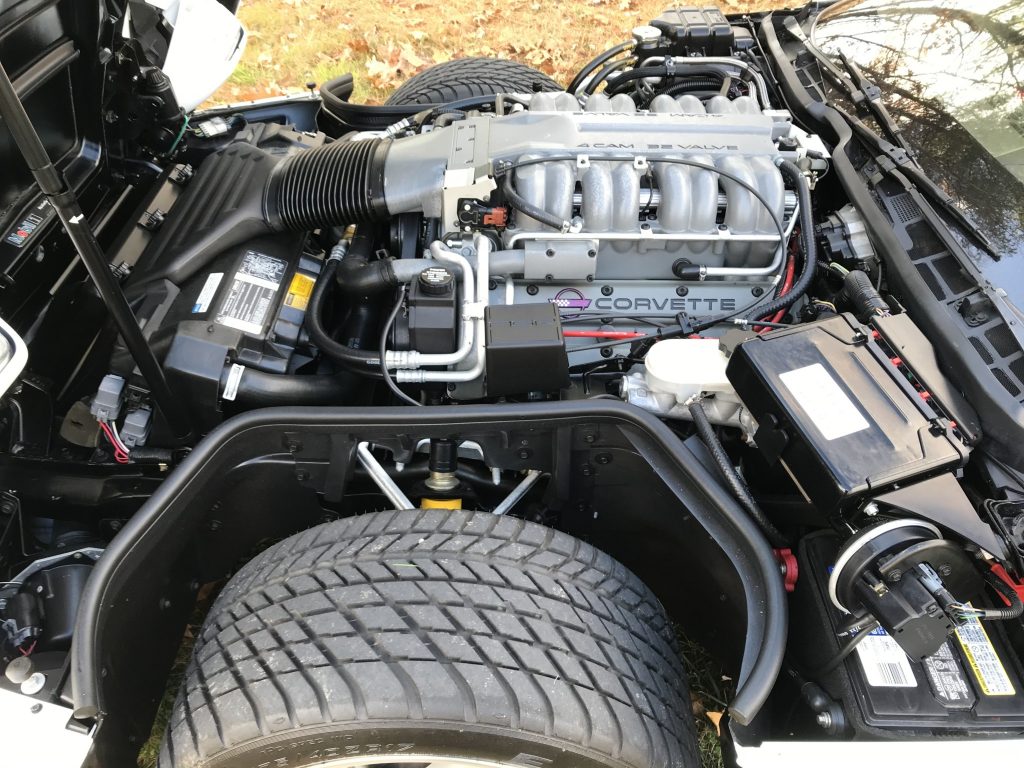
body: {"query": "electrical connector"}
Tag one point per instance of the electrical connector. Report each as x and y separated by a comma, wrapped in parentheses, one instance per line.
(136, 427)
(109, 399)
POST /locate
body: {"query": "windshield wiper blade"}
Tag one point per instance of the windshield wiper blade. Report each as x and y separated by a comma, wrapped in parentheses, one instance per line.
(899, 156)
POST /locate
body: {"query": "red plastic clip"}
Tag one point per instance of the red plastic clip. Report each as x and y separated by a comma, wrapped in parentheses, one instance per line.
(789, 567)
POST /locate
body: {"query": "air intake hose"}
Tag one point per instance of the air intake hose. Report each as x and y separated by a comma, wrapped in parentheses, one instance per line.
(338, 184)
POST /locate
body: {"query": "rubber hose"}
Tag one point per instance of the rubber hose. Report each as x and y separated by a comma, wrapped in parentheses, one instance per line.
(362, 361)
(601, 76)
(527, 208)
(258, 389)
(732, 477)
(339, 184)
(638, 74)
(608, 55)
(810, 245)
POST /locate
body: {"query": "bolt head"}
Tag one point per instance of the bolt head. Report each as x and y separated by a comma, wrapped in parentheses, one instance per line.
(824, 719)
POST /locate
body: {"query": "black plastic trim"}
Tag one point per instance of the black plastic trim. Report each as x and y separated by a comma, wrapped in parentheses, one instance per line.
(124, 589)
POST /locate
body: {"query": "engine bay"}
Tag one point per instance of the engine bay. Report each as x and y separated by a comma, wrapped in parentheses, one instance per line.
(665, 235)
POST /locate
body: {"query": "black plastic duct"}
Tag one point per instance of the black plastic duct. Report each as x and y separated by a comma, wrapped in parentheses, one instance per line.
(338, 184)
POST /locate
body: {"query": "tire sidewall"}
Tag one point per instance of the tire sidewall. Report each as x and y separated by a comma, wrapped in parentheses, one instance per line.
(319, 745)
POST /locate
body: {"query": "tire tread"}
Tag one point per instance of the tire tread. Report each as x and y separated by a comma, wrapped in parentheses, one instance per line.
(436, 616)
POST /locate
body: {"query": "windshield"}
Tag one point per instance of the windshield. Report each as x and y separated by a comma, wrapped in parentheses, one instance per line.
(952, 75)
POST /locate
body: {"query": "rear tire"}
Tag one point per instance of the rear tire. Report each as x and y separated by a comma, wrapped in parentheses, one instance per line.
(446, 635)
(464, 78)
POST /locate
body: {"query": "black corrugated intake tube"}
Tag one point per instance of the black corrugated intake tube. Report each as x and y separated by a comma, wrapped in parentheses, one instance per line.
(339, 184)
(732, 478)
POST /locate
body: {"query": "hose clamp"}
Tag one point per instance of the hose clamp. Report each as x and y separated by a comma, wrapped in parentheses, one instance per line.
(670, 66)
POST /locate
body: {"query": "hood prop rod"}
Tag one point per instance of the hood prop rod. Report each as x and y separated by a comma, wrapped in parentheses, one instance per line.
(62, 198)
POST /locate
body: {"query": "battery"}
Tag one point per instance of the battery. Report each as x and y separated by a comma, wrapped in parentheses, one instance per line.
(973, 684)
(836, 413)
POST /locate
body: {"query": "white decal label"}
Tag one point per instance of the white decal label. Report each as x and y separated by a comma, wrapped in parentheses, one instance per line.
(206, 295)
(231, 385)
(249, 302)
(884, 662)
(831, 411)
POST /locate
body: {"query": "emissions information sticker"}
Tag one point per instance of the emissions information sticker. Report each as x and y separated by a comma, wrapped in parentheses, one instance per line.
(832, 412)
(988, 669)
(884, 663)
(250, 299)
(299, 291)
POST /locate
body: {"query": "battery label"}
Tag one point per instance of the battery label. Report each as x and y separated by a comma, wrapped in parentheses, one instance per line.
(884, 663)
(984, 661)
(299, 291)
(947, 680)
(250, 299)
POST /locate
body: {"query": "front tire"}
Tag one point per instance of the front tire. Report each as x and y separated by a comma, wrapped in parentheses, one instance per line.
(427, 636)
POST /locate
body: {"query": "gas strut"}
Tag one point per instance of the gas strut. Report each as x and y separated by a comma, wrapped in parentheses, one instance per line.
(64, 202)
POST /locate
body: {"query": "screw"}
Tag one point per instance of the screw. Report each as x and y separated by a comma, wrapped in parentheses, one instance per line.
(871, 509)
(757, 290)
(532, 289)
(945, 569)
(682, 290)
(36, 708)
(586, 470)
(607, 290)
(590, 278)
(589, 438)
(592, 253)
(606, 352)
(550, 253)
(492, 285)
(824, 719)
(603, 458)
(549, 277)
(895, 575)
(524, 453)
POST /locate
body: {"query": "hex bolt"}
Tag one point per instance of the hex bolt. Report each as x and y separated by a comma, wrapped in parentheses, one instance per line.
(945, 569)
(871, 509)
(894, 576)
(824, 719)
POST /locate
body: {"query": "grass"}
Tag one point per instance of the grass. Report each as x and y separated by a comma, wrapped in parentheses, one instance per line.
(292, 42)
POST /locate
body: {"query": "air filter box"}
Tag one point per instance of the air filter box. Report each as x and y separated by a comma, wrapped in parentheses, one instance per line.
(835, 411)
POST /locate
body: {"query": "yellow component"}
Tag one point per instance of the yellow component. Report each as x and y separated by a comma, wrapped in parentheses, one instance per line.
(299, 291)
(441, 504)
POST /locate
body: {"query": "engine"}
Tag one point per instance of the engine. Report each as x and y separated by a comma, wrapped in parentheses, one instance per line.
(530, 244)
